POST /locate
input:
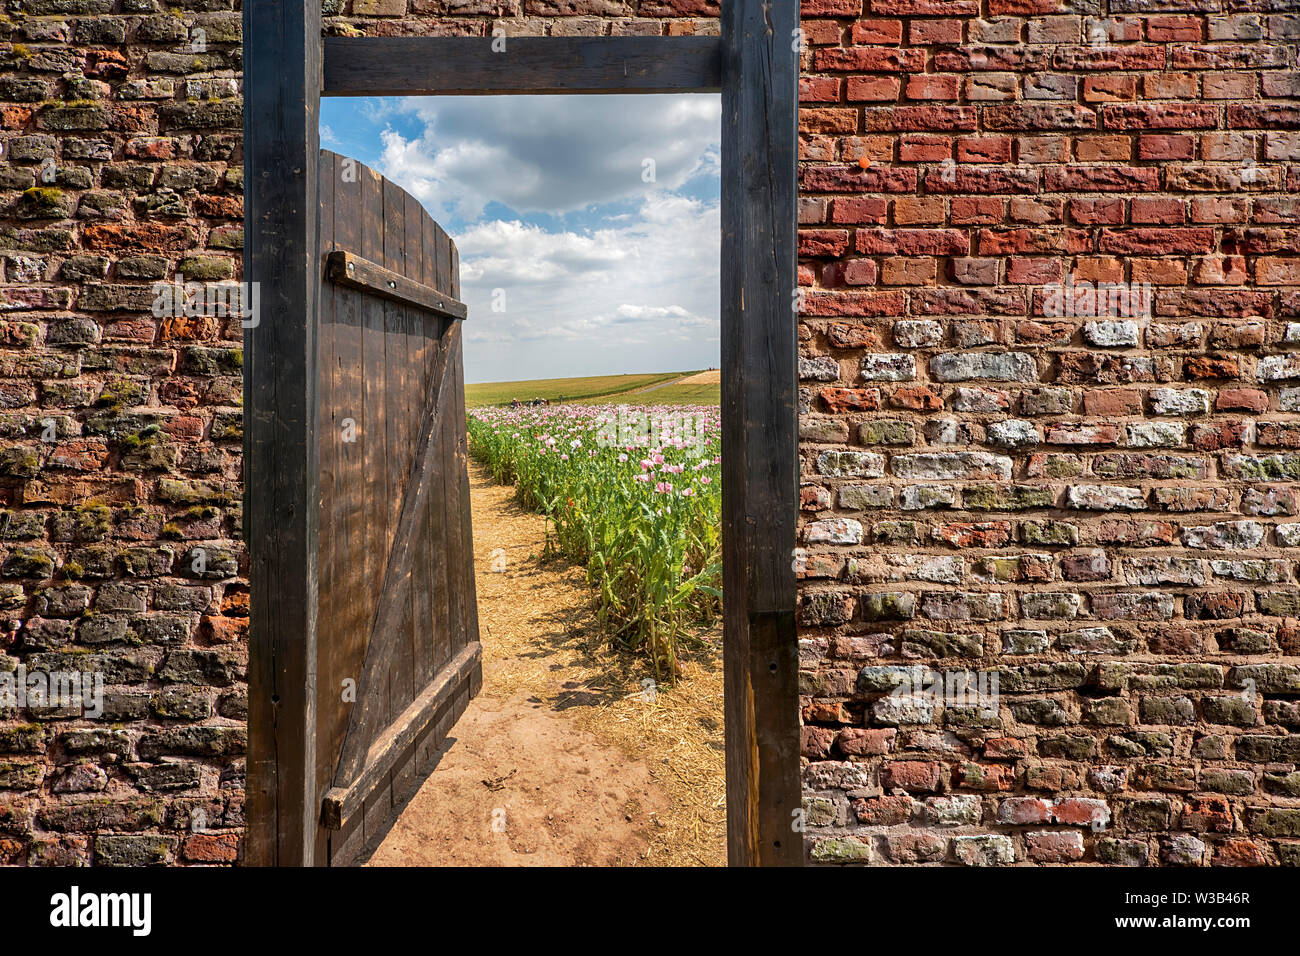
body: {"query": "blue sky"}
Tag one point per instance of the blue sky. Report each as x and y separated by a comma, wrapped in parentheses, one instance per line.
(571, 262)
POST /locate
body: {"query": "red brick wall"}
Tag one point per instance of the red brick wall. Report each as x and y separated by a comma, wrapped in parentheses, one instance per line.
(964, 453)
(1099, 510)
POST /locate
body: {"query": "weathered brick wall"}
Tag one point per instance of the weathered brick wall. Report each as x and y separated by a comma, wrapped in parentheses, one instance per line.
(120, 432)
(969, 515)
(521, 17)
(1100, 510)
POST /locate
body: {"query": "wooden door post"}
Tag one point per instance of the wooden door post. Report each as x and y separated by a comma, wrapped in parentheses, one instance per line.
(760, 486)
(282, 70)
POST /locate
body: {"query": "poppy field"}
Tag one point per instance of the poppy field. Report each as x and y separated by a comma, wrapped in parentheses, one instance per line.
(633, 494)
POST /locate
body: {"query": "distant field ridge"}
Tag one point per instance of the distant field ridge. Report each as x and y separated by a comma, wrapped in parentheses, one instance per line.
(649, 388)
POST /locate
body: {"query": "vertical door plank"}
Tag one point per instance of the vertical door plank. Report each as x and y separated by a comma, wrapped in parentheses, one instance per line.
(378, 493)
(404, 775)
(453, 545)
(443, 574)
(417, 361)
(332, 582)
(401, 449)
(345, 626)
(463, 519)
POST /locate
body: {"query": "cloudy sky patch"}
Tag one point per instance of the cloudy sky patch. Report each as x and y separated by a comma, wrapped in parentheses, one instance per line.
(571, 262)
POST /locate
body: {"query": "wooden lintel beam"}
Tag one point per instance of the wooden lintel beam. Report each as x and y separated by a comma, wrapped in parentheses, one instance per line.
(353, 271)
(444, 66)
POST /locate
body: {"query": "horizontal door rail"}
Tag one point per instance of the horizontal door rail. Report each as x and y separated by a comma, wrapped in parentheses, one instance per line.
(355, 272)
(340, 803)
(432, 66)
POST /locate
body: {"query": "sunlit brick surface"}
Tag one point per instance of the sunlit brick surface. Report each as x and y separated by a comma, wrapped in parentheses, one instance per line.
(1084, 501)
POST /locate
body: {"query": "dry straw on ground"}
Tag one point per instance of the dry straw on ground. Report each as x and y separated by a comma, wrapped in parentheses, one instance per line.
(711, 377)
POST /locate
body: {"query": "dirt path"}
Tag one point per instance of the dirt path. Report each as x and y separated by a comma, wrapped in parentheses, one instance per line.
(567, 757)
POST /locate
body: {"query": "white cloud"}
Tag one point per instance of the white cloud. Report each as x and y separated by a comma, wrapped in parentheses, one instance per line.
(626, 297)
(512, 251)
(549, 153)
(637, 290)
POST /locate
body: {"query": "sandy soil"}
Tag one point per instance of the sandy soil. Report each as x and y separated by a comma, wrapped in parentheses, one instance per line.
(523, 787)
(569, 756)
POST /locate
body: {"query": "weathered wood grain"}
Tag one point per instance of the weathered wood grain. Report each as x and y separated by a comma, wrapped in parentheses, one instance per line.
(428, 66)
(759, 430)
(340, 803)
(349, 269)
(282, 63)
(401, 571)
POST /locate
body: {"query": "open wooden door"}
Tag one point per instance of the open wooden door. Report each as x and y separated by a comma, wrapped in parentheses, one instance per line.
(398, 655)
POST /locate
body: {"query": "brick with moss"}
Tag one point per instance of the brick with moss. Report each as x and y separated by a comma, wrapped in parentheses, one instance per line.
(119, 425)
(74, 116)
(46, 239)
(194, 742)
(15, 775)
(149, 458)
(841, 850)
(182, 524)
(228, 426)
(88, 522)
(206, 268)
(166, 776)
(119, 393)
(133, 521)
(74, 331)
(178, 492)
(43, 202)
(21, 525)
(22, 739)
(151, 434)
(68, 600)
(27, 563)
(91, 562)
(12, 596)
(201, 360)
(20, 462)
(210, 562)
(18, 334)
(66, 394)
(146, 562)
(182, 703)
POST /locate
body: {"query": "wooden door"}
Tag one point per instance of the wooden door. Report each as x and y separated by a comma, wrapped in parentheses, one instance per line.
(398, 655)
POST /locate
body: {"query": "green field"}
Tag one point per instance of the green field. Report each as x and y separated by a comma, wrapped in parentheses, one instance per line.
(568, 389)
(665, 395)
(596, 390)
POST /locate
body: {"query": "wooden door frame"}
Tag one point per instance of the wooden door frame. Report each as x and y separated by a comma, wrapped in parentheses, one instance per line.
(755, 66)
